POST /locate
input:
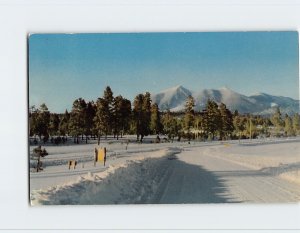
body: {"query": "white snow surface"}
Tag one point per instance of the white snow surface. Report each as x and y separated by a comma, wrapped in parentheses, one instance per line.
(200, 172)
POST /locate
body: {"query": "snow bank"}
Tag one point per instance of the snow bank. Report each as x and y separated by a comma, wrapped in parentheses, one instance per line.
(134, 181)
(281, 158)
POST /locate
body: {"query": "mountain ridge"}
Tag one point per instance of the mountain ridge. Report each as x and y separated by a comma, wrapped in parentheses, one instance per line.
(261, 103)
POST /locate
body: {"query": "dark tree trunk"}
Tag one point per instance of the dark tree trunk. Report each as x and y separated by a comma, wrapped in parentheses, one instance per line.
(38, 163)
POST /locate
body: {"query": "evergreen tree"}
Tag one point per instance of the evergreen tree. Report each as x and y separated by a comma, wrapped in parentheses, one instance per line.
(40, 122)
(198, 125)
(265, 126)
(137, 113)
(296, 123)
(277, 121)
(251, 129)
(142, 115)
(32, 120)
(102, 118)
(64, 124)
(125, 115)
(90, 113)
(211, 119)
(167, 120)
(146, 114)
(226, 126)
(117, 115)
(189, 114)
(77, 119)
(54, 124)
(109, 98)
(155, 124)
(171, 126)
(239, 124)
(288, 126)
(108, 95)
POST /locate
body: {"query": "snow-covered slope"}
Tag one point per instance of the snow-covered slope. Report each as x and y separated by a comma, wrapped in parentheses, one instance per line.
(267, 102)
(232, 99)
(174, 99)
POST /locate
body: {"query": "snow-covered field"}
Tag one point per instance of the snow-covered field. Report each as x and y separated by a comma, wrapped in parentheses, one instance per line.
(200, 172)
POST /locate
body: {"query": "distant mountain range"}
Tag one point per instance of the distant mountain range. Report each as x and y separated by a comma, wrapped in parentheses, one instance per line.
(261, 104)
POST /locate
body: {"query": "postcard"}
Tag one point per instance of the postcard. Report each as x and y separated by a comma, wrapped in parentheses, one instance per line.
(164, 118)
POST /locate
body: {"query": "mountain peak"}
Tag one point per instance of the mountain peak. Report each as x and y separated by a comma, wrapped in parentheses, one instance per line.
(174, 89)
(225, 88)
(259, 94)
(178, 87)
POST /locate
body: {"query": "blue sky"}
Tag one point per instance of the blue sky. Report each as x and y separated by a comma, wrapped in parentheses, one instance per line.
(63, 67)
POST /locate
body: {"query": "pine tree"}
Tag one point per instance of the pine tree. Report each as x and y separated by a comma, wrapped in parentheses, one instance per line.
(109, 98)
(40, 122)
(54, 124)
(239, 124)
(198, 125)
(189, 114)
(211, 119)
(171, 126)
(142, 115)
(226, 126)
(296, 123)
(125, 115)
(146, 114)
(117, 115)
(138, 114)
(155, 124)
(108, 95)
(102, 118)
(167, 123)
(288, 126)
(251, 127)
(32, 120)
(64, 124)
(90, 113)
(277, 121)
(77, 119)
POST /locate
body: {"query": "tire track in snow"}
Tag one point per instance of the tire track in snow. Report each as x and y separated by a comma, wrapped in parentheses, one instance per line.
(244, 183)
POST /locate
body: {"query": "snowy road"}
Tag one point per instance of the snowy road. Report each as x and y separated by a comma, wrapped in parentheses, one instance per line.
(198, 177)
(179, 173)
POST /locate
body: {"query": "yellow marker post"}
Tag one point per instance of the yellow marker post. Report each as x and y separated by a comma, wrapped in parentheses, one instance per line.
(101, 155)
(72, 163)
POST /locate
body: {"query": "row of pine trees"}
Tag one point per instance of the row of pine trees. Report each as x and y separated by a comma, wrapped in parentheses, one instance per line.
(117, 116)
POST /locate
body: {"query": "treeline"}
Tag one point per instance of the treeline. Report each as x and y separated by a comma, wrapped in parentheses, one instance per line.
(117, 116)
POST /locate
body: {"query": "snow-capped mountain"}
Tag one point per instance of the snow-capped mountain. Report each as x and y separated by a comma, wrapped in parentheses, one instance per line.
(174, 99)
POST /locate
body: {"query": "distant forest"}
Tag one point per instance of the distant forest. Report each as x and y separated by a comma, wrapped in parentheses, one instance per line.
(117, 116)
